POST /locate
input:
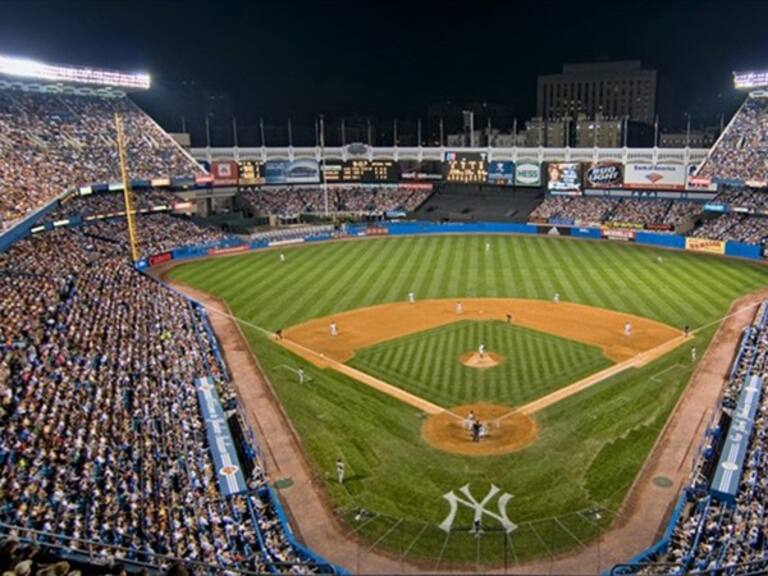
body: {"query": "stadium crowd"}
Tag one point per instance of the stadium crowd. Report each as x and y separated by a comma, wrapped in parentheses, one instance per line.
(101, 435)
(595, 209)
(742, 149)
(111, 203)
(291, 202)
(575, 208)
(52, 143)
(155, 232)
(736, 227)
(713, 535)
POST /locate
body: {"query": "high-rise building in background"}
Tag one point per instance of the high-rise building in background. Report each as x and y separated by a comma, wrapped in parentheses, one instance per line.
(613, 89)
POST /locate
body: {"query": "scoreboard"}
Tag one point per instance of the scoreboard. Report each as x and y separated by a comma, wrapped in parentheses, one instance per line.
(466, 167)
(362, 171)
(249, 173)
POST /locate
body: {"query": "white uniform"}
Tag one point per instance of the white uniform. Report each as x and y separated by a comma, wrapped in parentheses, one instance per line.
(333, 330)
(411, 297)
(340, 471)
(300, 374)
(459, 308)
(487, 246)
(557, 297)
(481, 350)
(693, 354)
(628, 329)
(282, 257)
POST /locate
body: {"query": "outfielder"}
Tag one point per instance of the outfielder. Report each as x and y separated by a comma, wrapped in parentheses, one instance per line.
(340, 470)
(282, 257)
(300, 374)
(693, 354)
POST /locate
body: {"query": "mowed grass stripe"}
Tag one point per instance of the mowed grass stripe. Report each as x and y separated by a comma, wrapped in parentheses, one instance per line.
(428, 363)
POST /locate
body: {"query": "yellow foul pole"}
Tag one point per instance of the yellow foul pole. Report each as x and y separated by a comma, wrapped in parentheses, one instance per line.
(129, 215)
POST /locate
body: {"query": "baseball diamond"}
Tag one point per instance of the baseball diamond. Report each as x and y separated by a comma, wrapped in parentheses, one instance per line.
(586, 448)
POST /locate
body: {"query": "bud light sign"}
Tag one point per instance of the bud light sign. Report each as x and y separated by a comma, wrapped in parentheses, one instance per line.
(604, 175)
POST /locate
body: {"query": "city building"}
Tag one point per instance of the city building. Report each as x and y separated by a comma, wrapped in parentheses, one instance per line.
(614, 89)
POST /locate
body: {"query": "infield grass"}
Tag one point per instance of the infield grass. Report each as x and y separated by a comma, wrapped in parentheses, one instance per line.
(567, 485)
(427, 364)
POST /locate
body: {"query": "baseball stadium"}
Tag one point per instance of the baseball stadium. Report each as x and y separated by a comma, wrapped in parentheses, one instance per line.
(364, 357)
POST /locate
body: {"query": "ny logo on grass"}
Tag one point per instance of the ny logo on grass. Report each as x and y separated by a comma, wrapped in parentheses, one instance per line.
(479, 508)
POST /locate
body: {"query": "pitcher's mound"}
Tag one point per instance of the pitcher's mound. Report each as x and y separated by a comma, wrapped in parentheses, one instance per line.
(487, 360)
(507, 430)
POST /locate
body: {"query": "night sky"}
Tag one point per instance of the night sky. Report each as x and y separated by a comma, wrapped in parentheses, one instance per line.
(385, 59)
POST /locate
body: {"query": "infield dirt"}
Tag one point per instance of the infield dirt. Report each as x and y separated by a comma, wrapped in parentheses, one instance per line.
(364, 327)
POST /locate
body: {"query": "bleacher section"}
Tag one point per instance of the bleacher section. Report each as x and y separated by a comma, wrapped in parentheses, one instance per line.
(462, 202)
(55, 142)
(739, 156)
(121, 440)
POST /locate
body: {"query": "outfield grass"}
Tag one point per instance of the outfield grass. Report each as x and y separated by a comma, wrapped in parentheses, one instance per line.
(591, 445)
(427, 364)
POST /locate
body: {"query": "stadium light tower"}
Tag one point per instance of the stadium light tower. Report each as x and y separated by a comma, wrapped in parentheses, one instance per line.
(751, 80)
(27, 68)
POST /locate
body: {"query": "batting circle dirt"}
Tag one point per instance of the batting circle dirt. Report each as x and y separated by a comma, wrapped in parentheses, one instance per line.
(506, 431)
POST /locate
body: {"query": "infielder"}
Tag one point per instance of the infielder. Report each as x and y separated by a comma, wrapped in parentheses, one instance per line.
(411, 297)
(340, 470)
(300, 374)
(628, 329)
(556, 297)
(333, 329)
(459, 308)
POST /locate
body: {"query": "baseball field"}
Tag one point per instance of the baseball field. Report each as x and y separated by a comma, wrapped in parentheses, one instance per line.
(568, 480)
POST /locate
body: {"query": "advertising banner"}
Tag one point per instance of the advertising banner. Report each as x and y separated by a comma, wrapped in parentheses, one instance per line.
(224, 172)
(159, 258)
(654, 176)
(413, 170)
(625, 225)
(232, 250)
(203, 180)
(249, 173)
(705, 245)
(618, 234)
(376, 231)
(466, 167)
(563, 176)
(604, 175)
(304, 171)
(700, 183)
(553, 230)
(501, 173)
(528, 174)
